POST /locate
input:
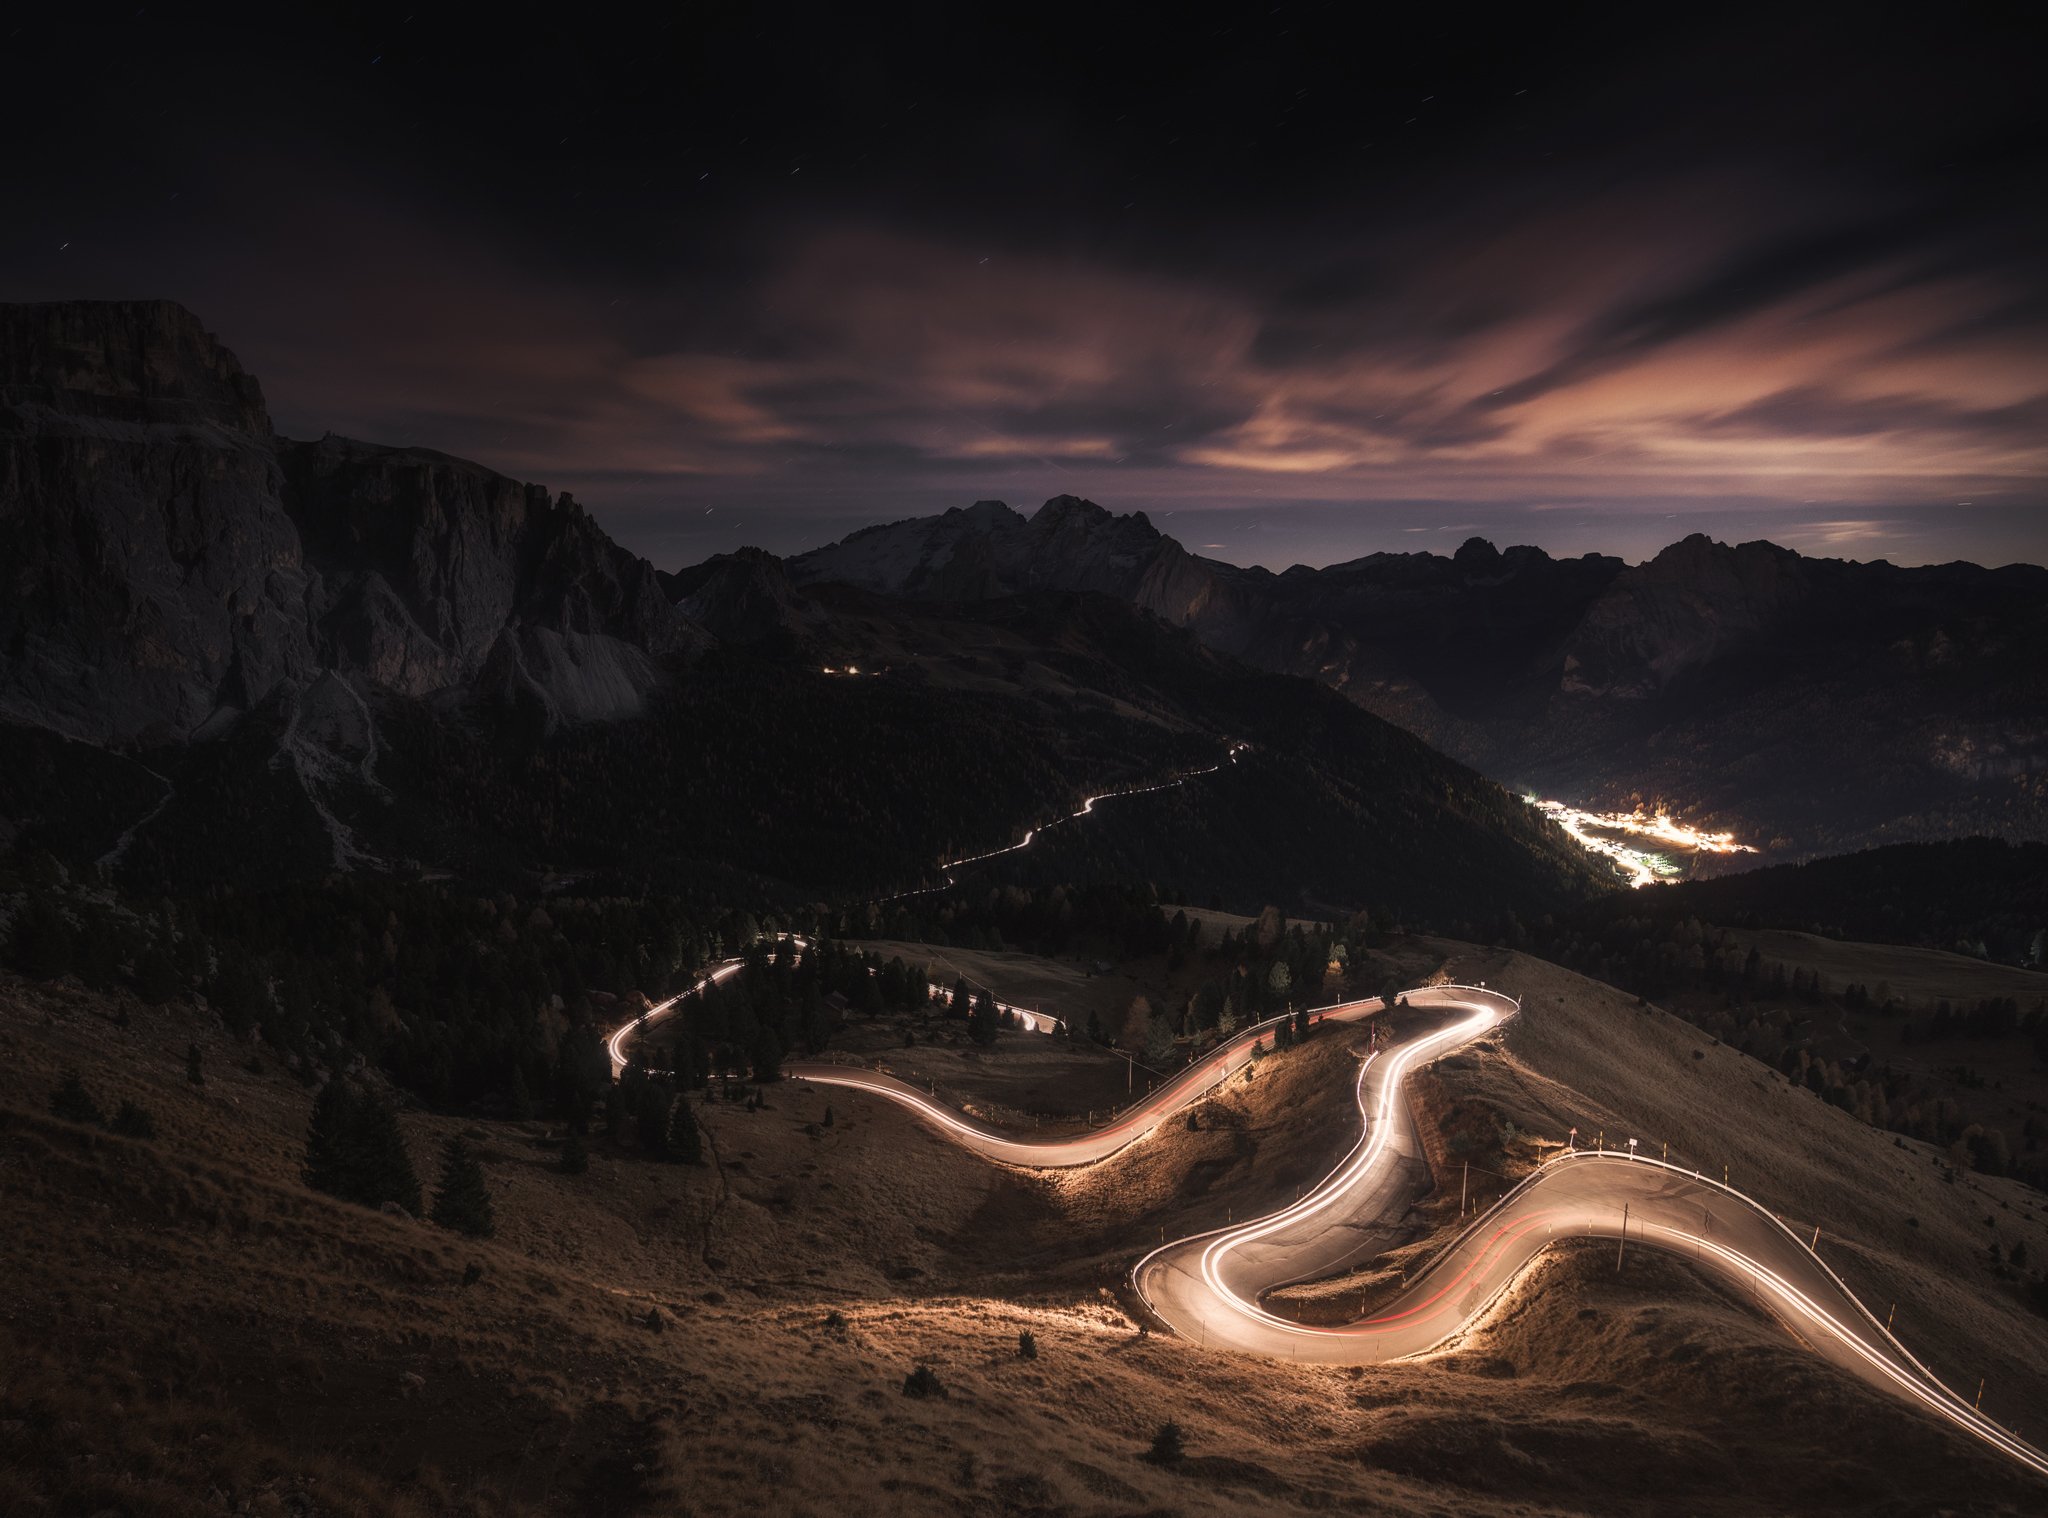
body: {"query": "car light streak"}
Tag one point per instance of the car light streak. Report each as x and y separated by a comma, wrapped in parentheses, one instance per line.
(947, 868)
(1030, 1020)
(1460, 1287)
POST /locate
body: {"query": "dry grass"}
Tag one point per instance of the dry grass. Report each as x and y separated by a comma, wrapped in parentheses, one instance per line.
(1892, 1223)
(1919, 977)
(188, 1330)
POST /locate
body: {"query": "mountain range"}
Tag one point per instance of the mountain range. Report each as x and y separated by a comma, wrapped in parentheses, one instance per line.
(232, 658)
(1812, 705)
(172, 563)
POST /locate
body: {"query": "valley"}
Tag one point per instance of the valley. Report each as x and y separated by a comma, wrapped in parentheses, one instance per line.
(1610, 835)
(998, 1015)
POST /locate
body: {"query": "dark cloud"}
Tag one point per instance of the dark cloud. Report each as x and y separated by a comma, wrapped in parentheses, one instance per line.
(727, 273)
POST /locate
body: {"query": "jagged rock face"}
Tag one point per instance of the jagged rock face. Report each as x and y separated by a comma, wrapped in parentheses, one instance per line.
(1694, 601)
(152, 575)
(989, 550)
(126, 361)
(170, 562)
(743, 597)
(435, 567)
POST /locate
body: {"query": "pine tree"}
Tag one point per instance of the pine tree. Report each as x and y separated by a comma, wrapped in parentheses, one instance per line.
(685, 1141)
(72, 1102)
(651, 1117)
(984, 1020)
(195, 1067)
(387, 1173)
(463, 1201)
(575, 1155)
(330, 1154)
(768, 1050)
(1158, 1040)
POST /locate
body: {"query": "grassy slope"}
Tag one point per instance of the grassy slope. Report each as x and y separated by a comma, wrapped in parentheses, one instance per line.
(1584, 1054)
(189, 1330)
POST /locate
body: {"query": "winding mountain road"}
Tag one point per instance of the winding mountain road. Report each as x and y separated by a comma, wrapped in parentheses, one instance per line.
(1211, 1286)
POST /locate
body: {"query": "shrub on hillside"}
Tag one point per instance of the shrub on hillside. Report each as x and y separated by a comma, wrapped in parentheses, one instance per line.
(923, 1382)
(1168, 1444)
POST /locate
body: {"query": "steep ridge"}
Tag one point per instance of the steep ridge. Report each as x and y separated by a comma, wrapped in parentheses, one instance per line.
(153, 576)
(172, 563)
(743, 597)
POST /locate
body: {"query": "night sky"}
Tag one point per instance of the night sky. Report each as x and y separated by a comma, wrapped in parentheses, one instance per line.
(1299, 286)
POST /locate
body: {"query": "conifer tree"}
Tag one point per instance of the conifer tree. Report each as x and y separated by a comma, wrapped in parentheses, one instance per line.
(388, 1175)
(685, 1140)
(356, 1151)
(984, 1020)
(1158, 1040)
(328, 1155)
(463, 1200)
(652, 1102)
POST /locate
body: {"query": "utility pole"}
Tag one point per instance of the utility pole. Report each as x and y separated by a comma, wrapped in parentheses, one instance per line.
(1978, 1405)
(1816, 1237)
(1889, 1316)
(1623, 1245)
(1463, 1181)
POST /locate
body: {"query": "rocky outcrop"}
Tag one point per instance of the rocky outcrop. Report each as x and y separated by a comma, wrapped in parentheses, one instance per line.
(435, 567)
(169, 562)
(152, 575)
(1694, 601)
(743, 597)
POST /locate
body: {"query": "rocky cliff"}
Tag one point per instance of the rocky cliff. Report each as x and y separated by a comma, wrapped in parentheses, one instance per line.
(171, 563)
(153, 575)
